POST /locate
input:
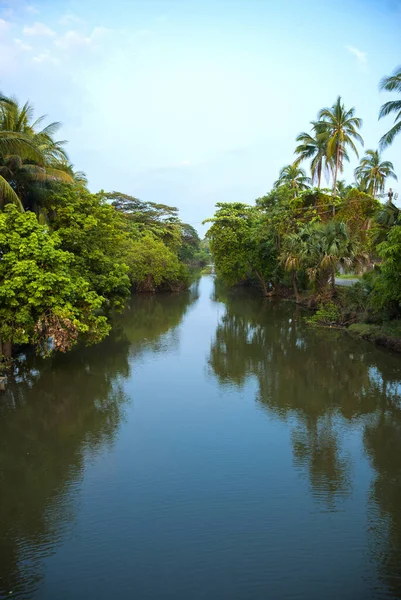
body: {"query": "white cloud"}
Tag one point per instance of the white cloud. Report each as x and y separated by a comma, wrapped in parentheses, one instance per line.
(39, 29)
(69, 18)
(45, 57)
(22, 45)
(361, 57)
(31, 9)
(3, 26)
(74, 39)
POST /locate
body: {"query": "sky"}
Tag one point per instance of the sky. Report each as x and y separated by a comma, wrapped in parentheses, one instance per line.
(193, 102)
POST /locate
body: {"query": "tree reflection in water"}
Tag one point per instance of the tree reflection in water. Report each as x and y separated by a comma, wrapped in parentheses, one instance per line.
(55, 415)
(322, 383)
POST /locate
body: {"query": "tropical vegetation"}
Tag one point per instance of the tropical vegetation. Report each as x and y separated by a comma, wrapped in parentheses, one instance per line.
(296, 239)
(68, 257)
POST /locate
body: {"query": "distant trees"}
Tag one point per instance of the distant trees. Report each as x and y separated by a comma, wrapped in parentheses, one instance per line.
(293, 177)
(67, 257)
(372, 172)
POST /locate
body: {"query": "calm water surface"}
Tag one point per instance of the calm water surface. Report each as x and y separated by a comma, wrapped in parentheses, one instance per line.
(213, 447)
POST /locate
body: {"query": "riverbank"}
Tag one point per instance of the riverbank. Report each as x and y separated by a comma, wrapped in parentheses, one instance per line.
(342, 312)
(386, 335)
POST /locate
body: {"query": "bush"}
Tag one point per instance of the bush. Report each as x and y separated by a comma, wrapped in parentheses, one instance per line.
(328, 314)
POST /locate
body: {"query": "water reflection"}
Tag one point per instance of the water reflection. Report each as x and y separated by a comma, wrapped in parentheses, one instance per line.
(325, 385)
(55, 416)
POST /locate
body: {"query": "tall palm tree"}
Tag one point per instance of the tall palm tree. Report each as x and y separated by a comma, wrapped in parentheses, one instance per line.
(294, 177)
(27, 155)
(391, 83)
(373, 172)
(314, 146)
(341, 126)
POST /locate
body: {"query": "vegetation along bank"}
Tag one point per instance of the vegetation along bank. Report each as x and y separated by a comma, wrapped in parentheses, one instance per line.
(69, 257)
(295, 240)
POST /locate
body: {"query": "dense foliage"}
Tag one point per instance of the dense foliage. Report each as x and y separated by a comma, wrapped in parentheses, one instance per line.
(301, 237)
(67, 257)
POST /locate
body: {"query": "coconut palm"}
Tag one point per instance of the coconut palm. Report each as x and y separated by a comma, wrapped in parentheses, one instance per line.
(341, 126)
(343, 188)
(314, 146)
(79, 177)
(27, 156)
(391, 83)
(293, 177)
(373, 172)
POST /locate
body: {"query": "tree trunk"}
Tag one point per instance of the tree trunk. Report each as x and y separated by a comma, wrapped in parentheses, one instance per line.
(295, 286)
(333, 279)
(319, 174)
(322, 281)
(6, 349)
(262, 283)
(336, 175)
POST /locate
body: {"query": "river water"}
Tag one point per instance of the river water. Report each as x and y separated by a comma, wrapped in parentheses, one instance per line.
(213, 447)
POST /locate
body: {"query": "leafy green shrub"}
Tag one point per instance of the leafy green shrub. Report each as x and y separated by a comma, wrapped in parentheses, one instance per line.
(328, 314)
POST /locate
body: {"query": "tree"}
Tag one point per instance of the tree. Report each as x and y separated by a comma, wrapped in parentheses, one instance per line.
(293, 177)
(142, 216)
(314, 147)
(243, 245)
(190, 243)
(341, 126)
(320, 248)
(152, 265)
(373, 172)
(42, 297)
(94, 232)
(28, 157)
(387, 292)
(23, 176)
(343, 188)
(293, 258)
(392, 83)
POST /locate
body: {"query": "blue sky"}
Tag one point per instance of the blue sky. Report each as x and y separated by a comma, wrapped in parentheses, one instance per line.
(192, 102)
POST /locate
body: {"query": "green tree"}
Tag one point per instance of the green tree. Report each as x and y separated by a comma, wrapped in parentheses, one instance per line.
(95, 233)
(387, 292)
(243, 245)
(320, 248)
(373, 172)
(391, 83)
(342, 127)
(41, 295)
(293, 177)
(162, 220)
(152, 265)
(313, 147)
(29, 156)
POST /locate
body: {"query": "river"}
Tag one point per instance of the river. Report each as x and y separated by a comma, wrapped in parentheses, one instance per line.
(213, 447)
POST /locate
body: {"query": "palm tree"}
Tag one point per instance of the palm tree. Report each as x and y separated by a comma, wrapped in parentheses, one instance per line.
(79, 177)
(314, 147)
(373, 172)
(293, 177)
(391, 83)
(320, 248)
(292, 257)
(27, 156)
(341, 126)
(343, 188)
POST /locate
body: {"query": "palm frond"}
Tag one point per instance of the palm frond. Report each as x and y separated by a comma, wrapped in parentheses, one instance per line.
(388, 138)
(8, 195)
